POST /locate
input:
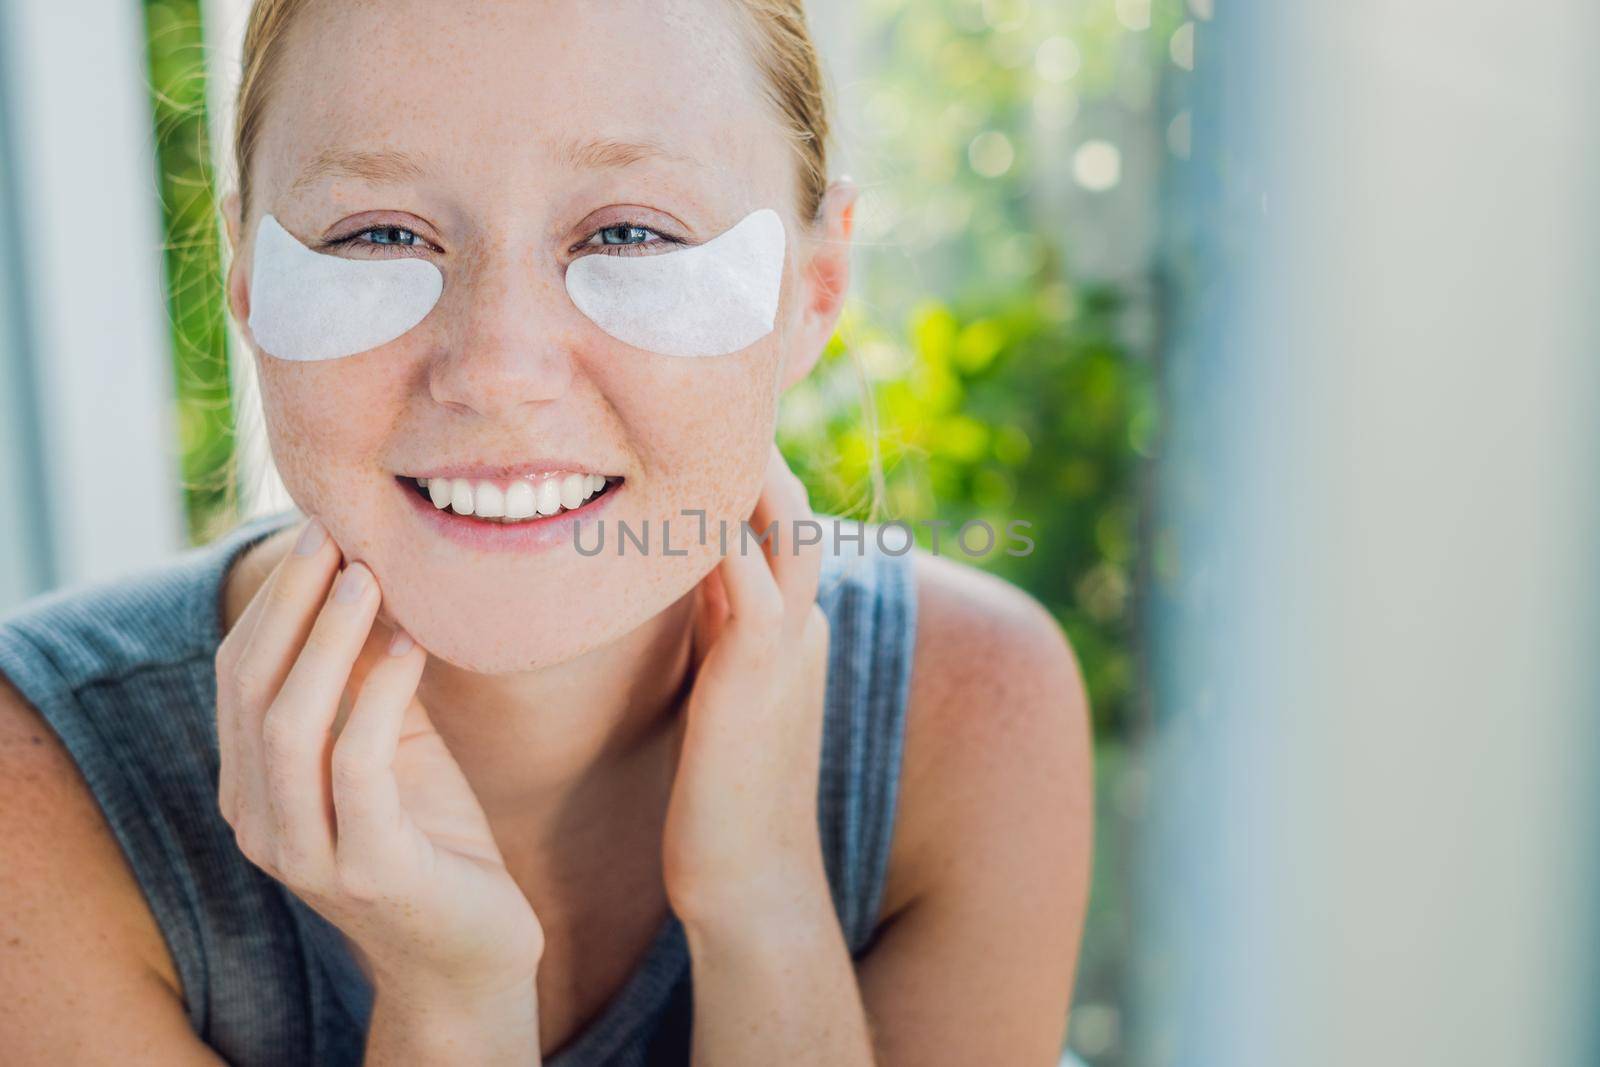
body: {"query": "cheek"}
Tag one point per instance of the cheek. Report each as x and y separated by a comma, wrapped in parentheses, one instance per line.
(702, 428)
(326, 423)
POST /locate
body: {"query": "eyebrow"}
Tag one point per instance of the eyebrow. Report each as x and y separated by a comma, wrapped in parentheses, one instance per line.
(381, 167)
(389, 167)
(605, 153)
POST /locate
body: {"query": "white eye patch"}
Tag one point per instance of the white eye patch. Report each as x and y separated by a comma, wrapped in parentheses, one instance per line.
(305, 305)
(709, 300)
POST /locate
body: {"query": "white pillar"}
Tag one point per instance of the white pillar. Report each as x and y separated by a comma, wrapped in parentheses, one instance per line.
(1377, 802)
(89, 280)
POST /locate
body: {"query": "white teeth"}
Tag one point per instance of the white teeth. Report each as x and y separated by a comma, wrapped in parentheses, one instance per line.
(488, 501)
(520, 500)
(574, 487)
(549, 496)
(520, 503)
(439, 490)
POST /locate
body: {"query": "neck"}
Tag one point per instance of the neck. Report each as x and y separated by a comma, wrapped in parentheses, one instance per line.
(531, 741)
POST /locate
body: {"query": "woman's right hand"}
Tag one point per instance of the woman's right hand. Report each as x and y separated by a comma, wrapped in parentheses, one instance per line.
(375, 827)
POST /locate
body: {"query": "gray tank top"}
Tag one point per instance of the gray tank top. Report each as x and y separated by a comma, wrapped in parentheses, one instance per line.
(123, 672)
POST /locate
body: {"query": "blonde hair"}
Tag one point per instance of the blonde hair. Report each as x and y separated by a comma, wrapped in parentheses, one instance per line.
(777, 33)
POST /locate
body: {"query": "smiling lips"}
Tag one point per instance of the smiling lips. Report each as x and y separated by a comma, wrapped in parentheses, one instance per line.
(510, 500)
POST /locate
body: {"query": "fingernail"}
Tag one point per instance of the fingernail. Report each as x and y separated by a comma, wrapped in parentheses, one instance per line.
(401, 643)
(311, 538)
(352, 583)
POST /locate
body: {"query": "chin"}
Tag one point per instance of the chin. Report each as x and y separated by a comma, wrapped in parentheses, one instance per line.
(492, 618)
(475, 651)
(516, 629)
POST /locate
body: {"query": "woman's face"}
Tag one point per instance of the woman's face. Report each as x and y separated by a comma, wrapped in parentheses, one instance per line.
(511, 139)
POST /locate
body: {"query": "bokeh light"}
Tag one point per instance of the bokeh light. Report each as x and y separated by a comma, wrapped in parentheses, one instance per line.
(1134, 14)
(1097, 165)
(991, 153)
(1057, 59)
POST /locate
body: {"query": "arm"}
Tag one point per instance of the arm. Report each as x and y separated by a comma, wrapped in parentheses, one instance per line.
(85, 976)
(782, 990)
(416, 1027)
(991, 854)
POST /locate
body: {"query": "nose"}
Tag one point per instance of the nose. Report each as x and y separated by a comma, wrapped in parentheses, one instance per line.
(506, 346)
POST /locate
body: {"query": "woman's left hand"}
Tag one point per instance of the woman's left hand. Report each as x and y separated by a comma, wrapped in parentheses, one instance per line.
(741, 842)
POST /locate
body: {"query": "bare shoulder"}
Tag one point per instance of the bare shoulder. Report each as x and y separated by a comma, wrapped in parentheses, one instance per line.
(83, 966)
(997, 725)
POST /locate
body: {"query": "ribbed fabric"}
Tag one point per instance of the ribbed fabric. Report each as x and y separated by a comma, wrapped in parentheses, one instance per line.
(124, 674)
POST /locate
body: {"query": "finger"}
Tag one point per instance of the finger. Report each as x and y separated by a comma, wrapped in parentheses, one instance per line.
(288, 605)
(227, 657)
(749, 577)
(284, 610)
(796, 568)
(297, 731)
(230, 655)
(244, 626)
(711, 614)
(753, 635)
(366, 794)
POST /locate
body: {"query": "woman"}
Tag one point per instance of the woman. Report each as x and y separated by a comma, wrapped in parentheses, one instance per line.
(473, 796)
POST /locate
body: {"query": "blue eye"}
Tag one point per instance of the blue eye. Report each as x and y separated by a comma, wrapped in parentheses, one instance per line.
(624, 235)
(389, 235)
(627, 238)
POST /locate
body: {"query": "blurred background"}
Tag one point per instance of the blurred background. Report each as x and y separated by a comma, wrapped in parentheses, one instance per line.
(1276, 322)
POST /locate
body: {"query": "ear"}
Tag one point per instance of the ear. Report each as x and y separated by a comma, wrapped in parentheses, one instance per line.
(824, 278)
(238, 286)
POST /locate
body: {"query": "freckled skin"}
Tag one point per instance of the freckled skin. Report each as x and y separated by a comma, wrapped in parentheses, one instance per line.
(505, 367)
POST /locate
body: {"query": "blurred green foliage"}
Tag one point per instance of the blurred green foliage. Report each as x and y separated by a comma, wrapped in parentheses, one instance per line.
(1004, 389)
(997, 410)
(193, 264)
